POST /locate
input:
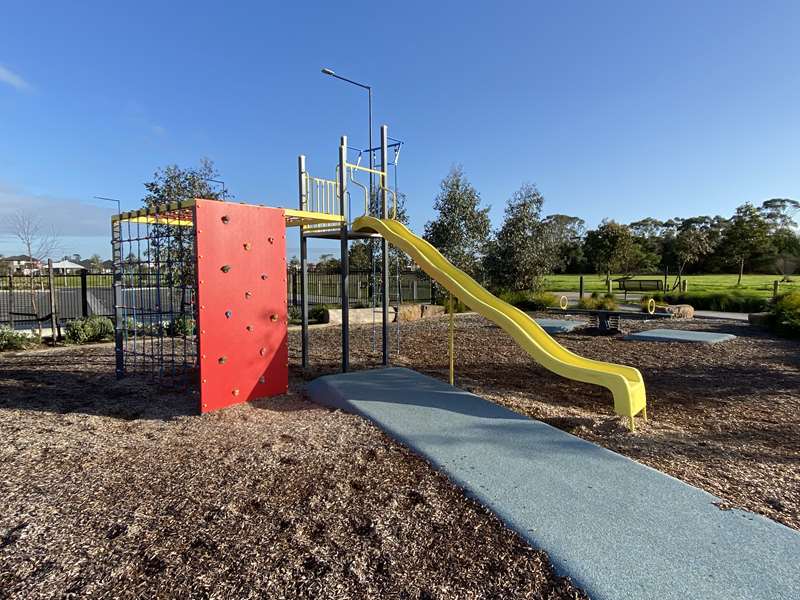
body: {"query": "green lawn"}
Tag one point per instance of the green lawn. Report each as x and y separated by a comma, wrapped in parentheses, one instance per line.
(756, 284)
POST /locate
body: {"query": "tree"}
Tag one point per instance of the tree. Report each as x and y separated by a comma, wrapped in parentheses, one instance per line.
(746, 235)
(39, 243)
(360, 256)
(461, 229)
(611, 248)
(328, 264)
(525, 249)
(780, 213)
(691, 244)
(786, 245)
(362, 253)
(95, 263)
(569, 231)
(175, 184)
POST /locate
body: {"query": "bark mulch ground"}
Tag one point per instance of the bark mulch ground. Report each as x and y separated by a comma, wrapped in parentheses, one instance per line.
(114, 490)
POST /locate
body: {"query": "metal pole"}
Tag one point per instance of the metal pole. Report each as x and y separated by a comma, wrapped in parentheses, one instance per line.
(451, 343)
(302, 183)
(84, 295)
(119, 319)
(53, 318)
(344, 257)
(385, 244)
(383, 157)
(11, 299)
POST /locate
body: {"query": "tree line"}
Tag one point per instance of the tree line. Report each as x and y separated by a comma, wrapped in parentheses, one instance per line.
(528, 246)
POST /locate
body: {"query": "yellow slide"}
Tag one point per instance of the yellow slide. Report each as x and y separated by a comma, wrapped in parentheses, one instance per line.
(625, 383)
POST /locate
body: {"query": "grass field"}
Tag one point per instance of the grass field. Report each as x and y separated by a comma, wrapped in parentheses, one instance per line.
(760, 285)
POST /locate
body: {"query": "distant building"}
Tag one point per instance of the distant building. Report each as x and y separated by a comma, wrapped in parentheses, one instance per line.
(20, 265)
(64, 267)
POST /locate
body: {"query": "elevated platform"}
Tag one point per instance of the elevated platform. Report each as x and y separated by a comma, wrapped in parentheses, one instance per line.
(680, 335)
(619, 529)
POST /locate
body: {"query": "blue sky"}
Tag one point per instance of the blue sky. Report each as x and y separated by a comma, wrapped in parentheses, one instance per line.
(614, 109)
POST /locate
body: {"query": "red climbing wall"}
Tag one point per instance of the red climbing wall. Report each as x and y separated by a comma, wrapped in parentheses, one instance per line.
(241, 293)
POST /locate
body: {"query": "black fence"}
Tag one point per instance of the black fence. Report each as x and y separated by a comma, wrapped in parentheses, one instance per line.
(25, 300)
(364, 288)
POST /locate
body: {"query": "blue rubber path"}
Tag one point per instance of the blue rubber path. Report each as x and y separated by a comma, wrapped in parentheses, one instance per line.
(559, 325)
(619, 529)
(680, 335)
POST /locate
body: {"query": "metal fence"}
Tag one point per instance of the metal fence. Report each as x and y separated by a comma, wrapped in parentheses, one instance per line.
(364, 287)
(25, 300)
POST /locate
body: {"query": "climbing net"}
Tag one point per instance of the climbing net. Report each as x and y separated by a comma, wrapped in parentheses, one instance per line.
(155, 289)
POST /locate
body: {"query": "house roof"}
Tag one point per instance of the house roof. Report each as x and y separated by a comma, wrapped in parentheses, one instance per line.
(67, 264)
(17, 258)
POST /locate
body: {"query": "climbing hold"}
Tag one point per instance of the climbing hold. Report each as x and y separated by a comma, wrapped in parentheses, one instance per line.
(248, 295)
(225, 268)
(247, 245)
(273, 318)
(236, 392)
(271, 239)
(225, 219)
(263, 352)
(262, 379)
(222, 360)
(228, 314)
(264, 276)
(249, 328)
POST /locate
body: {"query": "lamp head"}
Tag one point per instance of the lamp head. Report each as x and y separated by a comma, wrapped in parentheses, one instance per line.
(327, 71)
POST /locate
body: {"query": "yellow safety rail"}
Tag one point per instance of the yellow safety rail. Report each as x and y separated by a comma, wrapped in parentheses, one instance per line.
(625, 383)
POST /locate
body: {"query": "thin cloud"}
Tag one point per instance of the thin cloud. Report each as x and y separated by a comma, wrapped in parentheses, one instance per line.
(71, 217)
(16, 81)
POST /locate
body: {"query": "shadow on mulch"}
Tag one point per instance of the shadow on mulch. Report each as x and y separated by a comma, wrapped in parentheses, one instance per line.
(56, 383)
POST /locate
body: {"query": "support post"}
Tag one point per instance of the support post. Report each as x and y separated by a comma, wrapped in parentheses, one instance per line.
(84, 294)
(119, 319)
(51, 280)
(452, 342)
(775, 285)
(11, 300)
(666, 278)
(580, 288)
(302, 183)
(344, 261)
(385, 243)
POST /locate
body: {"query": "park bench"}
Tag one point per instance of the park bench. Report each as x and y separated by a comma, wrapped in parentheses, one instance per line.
(640, 285)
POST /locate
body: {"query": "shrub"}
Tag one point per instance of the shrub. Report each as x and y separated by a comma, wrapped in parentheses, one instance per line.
(598, 302)
(12, 340)
(75, 332)
(458, 307)
(181, 326)
(733, 301)
(784, 316)
(319, 314)
(295, 314)
(91, 329)
(529, 300)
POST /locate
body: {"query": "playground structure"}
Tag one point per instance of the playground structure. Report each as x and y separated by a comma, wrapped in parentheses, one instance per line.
(205, 288)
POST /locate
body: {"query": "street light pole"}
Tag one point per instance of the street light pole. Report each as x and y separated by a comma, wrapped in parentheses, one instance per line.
(119, 206)
(330, 73)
